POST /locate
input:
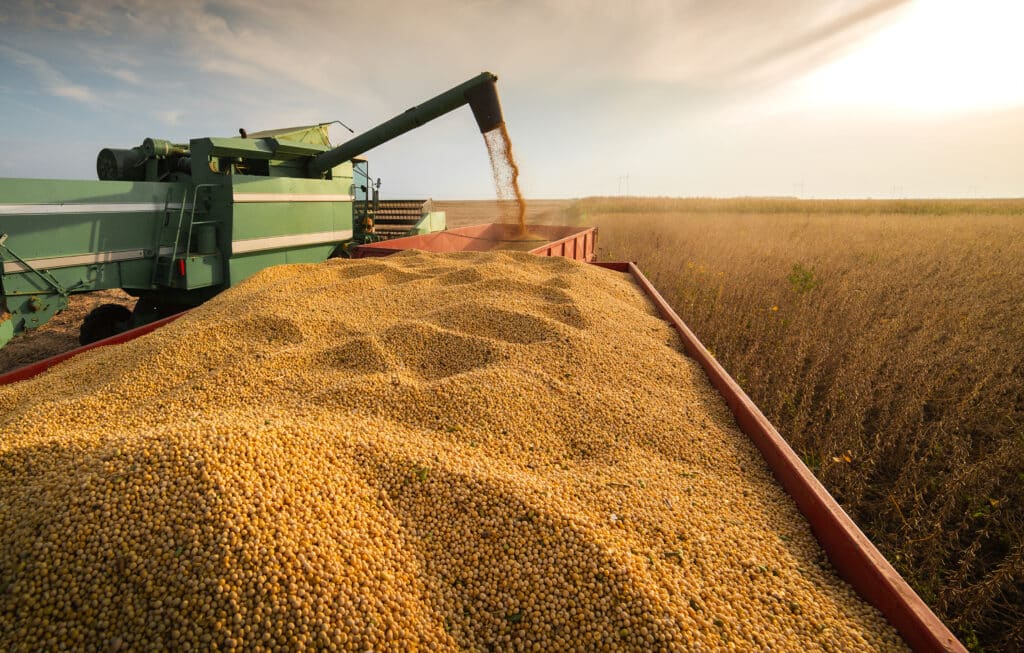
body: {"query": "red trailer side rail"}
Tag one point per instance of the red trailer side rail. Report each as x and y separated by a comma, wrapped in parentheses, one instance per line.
(579, 246)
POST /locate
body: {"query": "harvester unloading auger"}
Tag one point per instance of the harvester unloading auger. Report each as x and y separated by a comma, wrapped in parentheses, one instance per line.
(174, 224)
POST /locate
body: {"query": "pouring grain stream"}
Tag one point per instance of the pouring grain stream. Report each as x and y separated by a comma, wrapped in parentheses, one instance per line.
(506, 172)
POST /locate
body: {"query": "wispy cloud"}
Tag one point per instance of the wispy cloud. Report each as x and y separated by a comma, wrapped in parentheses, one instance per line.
(74, 92)
(723, 44)
(807, 46)
(170, 117)
(52, 80)
(125, 75)
(63, 15)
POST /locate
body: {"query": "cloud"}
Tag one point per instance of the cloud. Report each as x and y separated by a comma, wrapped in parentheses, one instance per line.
(724, 44)
(591, 88)
(52, 80)
(61, 15)
(125, 75)
(807, 46)
(73, 92)
(170, 117)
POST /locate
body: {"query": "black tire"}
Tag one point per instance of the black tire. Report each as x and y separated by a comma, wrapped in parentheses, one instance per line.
(104, 321)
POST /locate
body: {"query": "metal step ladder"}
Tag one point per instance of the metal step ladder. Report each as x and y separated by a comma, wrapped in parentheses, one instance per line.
(173, 239)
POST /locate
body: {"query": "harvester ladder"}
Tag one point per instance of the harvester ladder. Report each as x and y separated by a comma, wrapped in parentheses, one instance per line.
(161, 230)
(192, 216)
(178, 245)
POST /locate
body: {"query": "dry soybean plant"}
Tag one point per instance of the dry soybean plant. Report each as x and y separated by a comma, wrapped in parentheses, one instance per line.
(886, 341)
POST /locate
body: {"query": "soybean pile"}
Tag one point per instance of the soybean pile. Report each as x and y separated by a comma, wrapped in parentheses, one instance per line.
(473, 451)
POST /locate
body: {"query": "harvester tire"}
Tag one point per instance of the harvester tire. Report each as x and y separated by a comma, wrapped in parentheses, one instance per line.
(104, 321)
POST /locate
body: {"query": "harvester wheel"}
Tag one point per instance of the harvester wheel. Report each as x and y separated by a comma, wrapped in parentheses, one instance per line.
(104, 321)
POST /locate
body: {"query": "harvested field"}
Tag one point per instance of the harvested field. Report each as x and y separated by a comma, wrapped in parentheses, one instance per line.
(59, 334)
(446, 451)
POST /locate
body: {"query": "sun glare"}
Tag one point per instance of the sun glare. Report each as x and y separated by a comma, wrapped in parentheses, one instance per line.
(941, 56)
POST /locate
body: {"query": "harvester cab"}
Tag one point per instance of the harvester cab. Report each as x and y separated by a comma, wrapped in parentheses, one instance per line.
(173, 224)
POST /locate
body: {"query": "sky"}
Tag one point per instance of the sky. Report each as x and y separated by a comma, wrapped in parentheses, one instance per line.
(720, 98)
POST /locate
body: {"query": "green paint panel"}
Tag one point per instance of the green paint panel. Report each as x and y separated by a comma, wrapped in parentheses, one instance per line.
(283, 218)
(431, 222)
(203, 271)
(79, 278)
(115, 216)
(316, 254)
(293, 214)
(33, 311)
(50, 191)
(6, 331)
(45, 236)
(135, 274)
(249, 184)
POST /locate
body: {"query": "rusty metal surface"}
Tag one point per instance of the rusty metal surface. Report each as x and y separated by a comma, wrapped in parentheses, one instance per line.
(850, 551)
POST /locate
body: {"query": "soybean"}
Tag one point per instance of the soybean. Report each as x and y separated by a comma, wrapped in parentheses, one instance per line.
(424, 452)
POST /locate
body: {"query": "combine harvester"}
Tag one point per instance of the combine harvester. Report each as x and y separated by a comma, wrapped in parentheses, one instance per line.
(176, 224)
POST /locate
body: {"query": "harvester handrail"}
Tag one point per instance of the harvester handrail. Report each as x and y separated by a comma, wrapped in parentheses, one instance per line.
(192, 215)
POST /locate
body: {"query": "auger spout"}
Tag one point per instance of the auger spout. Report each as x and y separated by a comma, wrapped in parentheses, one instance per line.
(480, 93)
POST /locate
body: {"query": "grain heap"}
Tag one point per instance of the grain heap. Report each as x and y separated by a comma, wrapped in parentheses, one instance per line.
(420, 452)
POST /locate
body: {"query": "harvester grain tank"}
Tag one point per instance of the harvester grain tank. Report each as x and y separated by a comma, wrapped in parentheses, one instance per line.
(175, 223)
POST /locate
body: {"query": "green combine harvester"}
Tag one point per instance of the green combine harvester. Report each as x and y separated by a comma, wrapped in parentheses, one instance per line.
(174, 224)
